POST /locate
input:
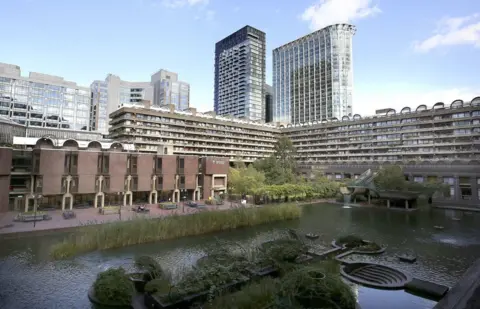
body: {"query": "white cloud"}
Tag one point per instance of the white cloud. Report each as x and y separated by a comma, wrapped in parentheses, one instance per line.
(328, 12)
(365, 102)
(210, 15)
(174, 4)
(453, 31)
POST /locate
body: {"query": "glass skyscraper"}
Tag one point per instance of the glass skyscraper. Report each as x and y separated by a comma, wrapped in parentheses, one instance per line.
(42, 100)
(167, 89)
(240, 74)
(313, 76)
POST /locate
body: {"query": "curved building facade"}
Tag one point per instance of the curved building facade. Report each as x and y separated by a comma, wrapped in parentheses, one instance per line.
(313, 76)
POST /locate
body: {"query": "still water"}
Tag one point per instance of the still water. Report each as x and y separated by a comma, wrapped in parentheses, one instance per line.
(29, 280)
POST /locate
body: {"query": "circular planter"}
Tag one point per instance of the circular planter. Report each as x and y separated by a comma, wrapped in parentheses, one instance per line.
(375, 276)
(93, 299)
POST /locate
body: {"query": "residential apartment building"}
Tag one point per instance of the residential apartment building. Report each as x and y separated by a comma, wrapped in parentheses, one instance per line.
(113, 93)
(438, 143)
(193, 133)
(43, 101)
(167, 89)
(240, 74)
(313, 76)
(100, 174)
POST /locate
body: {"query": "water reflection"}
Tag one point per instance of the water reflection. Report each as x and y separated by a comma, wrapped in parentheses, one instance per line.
(443, 256)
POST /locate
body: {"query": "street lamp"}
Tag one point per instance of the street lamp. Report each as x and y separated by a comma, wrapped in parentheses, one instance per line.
(35, 206)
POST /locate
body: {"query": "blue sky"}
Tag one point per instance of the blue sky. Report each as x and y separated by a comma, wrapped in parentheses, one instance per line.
(405, 52)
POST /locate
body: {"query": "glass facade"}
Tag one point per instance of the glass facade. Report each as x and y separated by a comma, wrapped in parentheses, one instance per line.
(169, 90)
(43, 104)
(99, 113)
(240, 74)
(313, 76)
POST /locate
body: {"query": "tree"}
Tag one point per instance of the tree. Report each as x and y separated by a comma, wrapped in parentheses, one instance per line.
(245, 180)
(279, 168)
(391, 178)
(285, 153)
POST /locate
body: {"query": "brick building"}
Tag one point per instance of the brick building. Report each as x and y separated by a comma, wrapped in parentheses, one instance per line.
(63, 173)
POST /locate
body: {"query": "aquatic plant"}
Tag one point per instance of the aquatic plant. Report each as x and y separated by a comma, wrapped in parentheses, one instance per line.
(112, 287)
(284, 250)
(143, 230)
(255, 295)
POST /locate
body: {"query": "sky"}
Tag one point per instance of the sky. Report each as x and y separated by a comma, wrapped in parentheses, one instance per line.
(405, 52)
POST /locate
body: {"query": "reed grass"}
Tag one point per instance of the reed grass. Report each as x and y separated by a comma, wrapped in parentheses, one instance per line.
(143, 230)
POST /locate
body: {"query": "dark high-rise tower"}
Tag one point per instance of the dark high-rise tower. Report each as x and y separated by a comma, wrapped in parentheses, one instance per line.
(240, 74)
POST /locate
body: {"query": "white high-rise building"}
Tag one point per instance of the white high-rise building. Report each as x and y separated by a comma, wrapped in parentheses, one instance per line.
(113, 93)
(313, 76)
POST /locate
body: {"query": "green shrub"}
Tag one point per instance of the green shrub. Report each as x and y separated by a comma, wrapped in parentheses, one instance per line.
(313, 287)
(207, 278)
(112, 287)
(284, 250)
(143, 230)
(255, 295)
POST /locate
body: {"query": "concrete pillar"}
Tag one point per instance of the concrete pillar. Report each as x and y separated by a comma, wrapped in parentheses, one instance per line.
(388, 203)
(369, 198)
(406, 204)
(27, 201)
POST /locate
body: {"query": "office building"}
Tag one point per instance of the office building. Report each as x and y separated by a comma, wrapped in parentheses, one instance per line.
(79, 173)
(193, 133)
(111, 94)
(313, 76)
(43, 101)
(167, 89)
(268, 103)
(240, 75)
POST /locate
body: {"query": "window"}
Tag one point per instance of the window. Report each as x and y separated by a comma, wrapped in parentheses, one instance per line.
(134, 184)
(103, 165)
(106, 184)
(182, 182)
(158, 165)
(38, 184)
(70, 163)
(159, 183)
(181, 165)
(132, 164)
(36, 162)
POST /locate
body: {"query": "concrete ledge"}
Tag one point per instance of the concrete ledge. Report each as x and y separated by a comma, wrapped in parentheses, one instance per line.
(430, 289)
(462, 208)
(466, 293)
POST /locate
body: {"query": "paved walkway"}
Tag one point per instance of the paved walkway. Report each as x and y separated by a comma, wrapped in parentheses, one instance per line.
(91, 216)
